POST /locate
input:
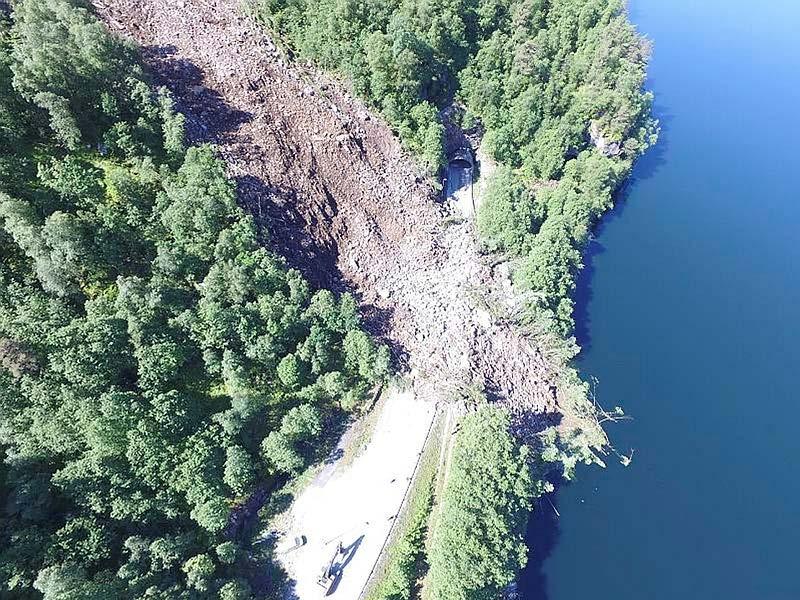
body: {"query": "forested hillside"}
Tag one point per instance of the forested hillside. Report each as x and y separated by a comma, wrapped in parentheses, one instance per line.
(556, 84)
(556, 88)
(477, 546)
(157, 365)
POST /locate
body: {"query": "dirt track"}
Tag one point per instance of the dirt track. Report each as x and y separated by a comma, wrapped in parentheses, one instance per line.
(342, 201)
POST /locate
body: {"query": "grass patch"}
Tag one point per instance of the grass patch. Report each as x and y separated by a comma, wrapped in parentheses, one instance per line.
(362, 429)
(398, 575)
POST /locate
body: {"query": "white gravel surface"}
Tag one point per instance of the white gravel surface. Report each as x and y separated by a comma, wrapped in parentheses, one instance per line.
(356, 505)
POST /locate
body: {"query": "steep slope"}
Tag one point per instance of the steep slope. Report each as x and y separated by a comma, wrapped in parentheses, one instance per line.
(343, 202)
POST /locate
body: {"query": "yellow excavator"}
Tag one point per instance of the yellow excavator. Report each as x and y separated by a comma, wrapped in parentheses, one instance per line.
(332, 570)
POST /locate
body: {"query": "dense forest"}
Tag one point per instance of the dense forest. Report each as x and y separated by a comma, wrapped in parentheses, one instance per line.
(158, 366)
(555, 84)
(477, 546)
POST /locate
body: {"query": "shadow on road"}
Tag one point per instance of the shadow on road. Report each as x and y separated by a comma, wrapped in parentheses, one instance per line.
(349, 552)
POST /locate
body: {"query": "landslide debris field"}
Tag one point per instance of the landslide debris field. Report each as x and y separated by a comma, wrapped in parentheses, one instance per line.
(343, 202)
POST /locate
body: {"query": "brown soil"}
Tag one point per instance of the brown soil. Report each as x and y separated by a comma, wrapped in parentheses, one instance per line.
(342, 201)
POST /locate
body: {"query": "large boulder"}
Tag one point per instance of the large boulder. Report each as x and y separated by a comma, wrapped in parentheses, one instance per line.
(607, 146)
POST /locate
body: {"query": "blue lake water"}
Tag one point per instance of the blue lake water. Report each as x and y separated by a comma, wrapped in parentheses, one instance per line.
(690, 318)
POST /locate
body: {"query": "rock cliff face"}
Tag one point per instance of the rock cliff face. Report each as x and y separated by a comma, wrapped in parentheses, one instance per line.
(601, 142)
(342, 201)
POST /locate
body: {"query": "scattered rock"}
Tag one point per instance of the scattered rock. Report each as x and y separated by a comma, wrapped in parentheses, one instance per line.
(349, 213)
(606, 146)
(483, 318)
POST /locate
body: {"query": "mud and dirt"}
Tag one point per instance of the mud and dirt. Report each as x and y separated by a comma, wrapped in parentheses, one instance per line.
(343, 202)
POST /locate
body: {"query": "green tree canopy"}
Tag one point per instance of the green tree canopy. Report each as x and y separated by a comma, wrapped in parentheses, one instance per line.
(149, 346)
(478, 545)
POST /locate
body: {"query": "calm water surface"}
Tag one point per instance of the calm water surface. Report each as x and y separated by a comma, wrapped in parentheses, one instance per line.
(690, 316)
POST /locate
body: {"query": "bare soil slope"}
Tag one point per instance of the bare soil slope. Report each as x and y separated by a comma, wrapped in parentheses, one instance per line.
(342, 201)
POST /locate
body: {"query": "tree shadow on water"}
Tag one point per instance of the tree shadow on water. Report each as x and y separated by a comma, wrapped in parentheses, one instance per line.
(645, 168)
(542, 538)
(583, 295)
(655, 157)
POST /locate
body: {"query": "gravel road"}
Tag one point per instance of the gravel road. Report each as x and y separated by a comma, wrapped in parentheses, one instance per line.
(356, 505)
(459, 187)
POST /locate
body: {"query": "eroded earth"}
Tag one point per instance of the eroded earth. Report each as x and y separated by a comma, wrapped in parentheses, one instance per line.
(344, 203)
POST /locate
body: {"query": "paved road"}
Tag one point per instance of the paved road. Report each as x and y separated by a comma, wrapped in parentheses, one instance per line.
(459, 186)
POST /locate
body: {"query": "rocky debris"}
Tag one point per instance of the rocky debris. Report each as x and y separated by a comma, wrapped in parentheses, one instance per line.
(601, 142)
(343, 202)
(455, 136)
(17, 358)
